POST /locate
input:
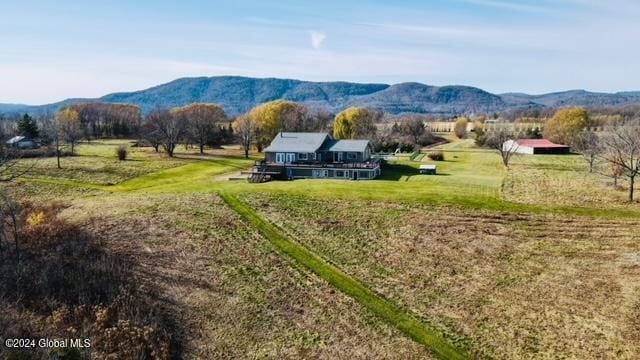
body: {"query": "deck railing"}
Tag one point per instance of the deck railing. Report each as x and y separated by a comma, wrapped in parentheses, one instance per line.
(373, 164)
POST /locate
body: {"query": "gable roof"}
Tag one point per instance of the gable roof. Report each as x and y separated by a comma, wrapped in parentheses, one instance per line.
(16, 139)
(302, 142)
(345, 145)
(539, 143)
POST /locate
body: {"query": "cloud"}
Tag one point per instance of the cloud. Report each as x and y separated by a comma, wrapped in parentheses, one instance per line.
(317, 39)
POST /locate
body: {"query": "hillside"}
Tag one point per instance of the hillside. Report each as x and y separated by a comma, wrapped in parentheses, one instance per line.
(420, 98)
(238, 94)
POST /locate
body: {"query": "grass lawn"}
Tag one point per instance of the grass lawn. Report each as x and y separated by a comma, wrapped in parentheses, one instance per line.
(468, 178)
(96, 163)
(527, 263)
(562, 180)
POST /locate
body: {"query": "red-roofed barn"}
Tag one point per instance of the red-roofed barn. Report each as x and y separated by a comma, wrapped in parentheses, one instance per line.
(535, 146)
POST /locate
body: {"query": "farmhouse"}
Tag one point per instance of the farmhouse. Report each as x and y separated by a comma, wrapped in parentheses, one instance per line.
(299, 155)
(535, 146)
(22, 142)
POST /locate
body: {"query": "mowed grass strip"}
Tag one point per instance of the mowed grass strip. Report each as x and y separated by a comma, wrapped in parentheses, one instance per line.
(385, 309)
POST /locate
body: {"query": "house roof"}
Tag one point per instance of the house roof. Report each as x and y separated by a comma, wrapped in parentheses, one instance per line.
(15, 139)
(539, 143)
(345, 145)
(297, 142)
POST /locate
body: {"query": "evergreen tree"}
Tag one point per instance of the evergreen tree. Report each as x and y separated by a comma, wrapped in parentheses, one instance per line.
(27, 127)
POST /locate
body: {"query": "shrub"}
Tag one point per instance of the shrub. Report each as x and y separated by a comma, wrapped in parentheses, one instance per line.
(406, 147)
(122, 151)
(65, 282)
(436, 155)
(460, 127)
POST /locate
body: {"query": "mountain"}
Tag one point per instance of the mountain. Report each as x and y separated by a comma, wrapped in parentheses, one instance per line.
(237, 94)
(420, 98)
(577, 98)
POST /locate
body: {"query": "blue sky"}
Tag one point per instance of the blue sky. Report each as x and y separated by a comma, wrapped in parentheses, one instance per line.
(51, 50)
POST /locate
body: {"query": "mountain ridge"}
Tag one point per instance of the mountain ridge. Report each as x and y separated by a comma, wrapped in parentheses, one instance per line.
(237, 94)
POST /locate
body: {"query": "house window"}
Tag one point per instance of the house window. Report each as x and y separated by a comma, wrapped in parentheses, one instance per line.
(303, 156)
(320, 173)
(280, 158)
(364, 174)
(291, 157)
(340, 157)
(352, 156)
(339, 173)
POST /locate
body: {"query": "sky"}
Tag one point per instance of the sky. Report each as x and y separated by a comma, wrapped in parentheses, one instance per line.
(57, 49)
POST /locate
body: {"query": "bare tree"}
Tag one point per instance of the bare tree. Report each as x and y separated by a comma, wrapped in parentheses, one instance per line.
(9, 208)
(622, 149)
(151, 134)
(588, 144)
(503, 139)
(202, 123)
(9, 164)
(51, 129)
(245, 127)
(319, 120)
(615, 172)
(414, 127)
(167, 127)
(9, 219)
(69, 127)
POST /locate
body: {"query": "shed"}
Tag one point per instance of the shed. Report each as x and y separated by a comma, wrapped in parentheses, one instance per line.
(22, 142)
(427, 169)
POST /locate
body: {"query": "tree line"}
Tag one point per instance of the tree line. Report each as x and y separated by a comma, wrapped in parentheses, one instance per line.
(203, 125)
(196, 124)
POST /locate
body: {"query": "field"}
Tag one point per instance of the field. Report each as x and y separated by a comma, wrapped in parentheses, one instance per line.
(540, 261)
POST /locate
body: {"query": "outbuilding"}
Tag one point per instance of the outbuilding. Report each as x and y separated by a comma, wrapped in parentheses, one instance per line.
(428, 169)
(535, 147)
(22, 142)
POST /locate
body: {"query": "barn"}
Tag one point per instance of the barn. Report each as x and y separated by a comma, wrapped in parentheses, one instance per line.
(536, 147)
